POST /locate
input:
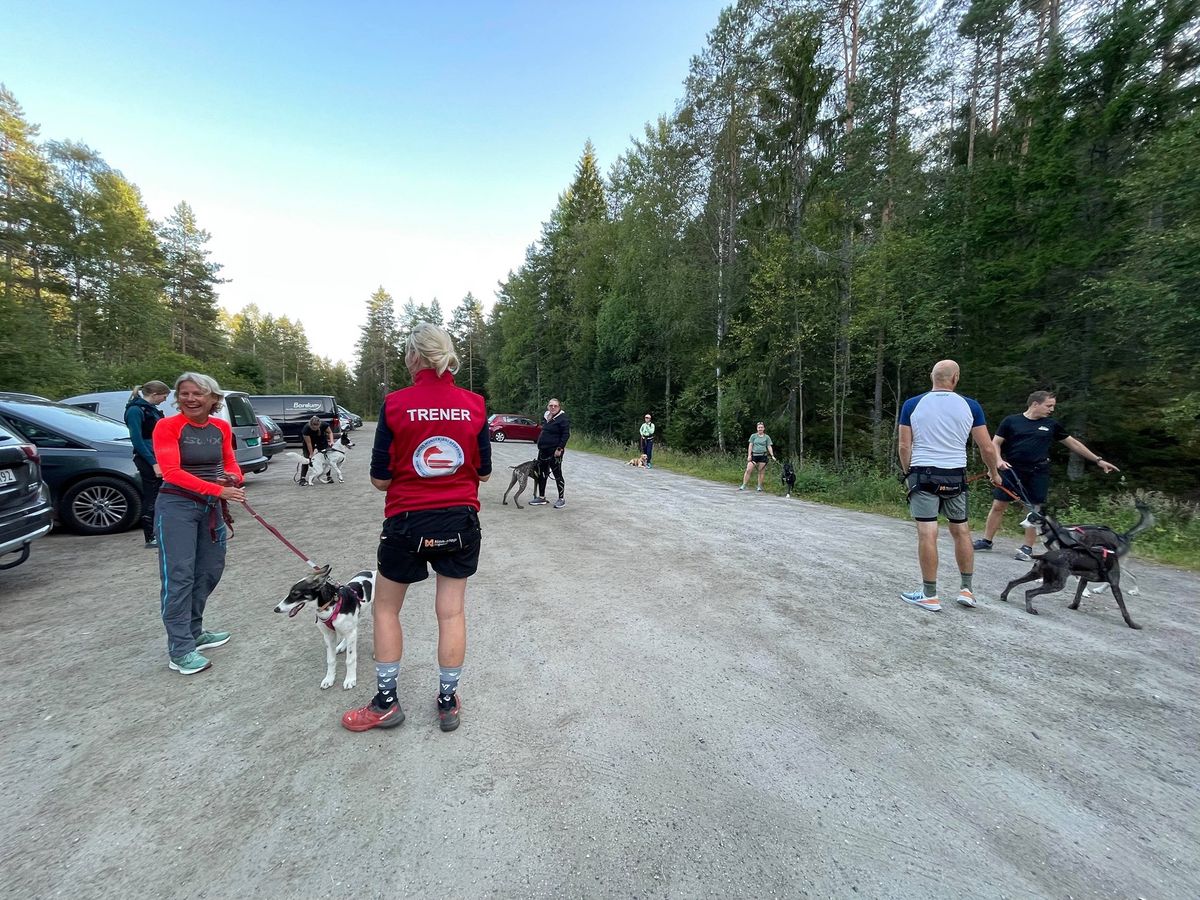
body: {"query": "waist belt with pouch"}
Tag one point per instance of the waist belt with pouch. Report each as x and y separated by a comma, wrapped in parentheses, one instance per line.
(436, 541)
(943, 483)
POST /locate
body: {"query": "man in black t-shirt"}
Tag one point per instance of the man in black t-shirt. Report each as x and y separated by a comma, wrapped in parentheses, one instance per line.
(317, 436)
(1024, 441)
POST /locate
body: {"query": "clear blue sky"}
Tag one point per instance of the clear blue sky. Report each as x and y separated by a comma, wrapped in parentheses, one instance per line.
(332, 148)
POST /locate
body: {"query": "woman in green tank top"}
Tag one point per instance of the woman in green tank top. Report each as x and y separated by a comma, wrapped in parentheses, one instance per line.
(758, 451)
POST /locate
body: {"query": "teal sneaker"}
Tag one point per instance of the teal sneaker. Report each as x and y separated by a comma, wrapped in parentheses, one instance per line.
(190, 664)
(210, 639)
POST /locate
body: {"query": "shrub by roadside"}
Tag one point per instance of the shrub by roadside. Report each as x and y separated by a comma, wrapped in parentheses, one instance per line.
(1174, 539)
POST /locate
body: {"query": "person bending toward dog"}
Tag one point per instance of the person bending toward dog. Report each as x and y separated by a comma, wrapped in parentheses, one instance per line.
(141, 415)
(317, 438)
(200, 476)
(1024, 441)
(431, 451)
(551, 443)
(758, 451)
(934, 430)
(646, 433)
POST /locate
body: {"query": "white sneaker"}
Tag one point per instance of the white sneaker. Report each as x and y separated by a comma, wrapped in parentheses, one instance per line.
(966, 598)
(1024, 553)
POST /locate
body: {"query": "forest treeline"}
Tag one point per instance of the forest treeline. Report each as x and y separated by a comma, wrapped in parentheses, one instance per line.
(846, 192)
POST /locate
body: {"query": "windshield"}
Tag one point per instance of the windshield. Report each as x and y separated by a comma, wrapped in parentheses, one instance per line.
(69, 420)
(240, 411)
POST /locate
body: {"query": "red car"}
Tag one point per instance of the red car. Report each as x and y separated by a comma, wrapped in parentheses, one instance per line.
(507, 427)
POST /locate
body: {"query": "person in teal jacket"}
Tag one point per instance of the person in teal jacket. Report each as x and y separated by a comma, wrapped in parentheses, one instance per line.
(646, 430)
(141, 415)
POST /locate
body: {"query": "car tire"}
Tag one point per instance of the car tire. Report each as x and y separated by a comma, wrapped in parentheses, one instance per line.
(498, 437)
(100, 505)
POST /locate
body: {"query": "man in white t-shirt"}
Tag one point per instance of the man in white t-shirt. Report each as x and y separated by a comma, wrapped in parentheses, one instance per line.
(934, 430)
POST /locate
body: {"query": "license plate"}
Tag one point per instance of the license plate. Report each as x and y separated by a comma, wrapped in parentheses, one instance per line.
(251, 442)
(8, 476)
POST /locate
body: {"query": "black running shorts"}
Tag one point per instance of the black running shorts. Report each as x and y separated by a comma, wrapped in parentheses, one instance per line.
(1036, 483)
(447, 539)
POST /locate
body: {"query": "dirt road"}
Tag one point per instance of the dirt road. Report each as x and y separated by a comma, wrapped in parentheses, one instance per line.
(672, 690)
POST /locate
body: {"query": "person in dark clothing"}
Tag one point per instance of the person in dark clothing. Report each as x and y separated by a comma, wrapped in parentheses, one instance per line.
(1024, 441)
(317, 437)
(141, 415)
(556, 430)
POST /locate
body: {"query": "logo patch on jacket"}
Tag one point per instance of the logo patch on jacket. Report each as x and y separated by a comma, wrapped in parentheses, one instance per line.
(438, 456)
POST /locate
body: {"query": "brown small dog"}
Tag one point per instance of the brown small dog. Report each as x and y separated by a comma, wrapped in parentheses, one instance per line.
(638, 462)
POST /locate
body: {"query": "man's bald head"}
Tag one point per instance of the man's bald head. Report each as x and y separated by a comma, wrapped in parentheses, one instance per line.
(945, 375)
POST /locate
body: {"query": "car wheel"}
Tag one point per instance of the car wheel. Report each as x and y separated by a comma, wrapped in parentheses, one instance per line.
(498, 437)
(100, 506)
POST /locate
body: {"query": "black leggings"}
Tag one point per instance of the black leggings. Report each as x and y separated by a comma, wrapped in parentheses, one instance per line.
(150, 485)
(548, 462)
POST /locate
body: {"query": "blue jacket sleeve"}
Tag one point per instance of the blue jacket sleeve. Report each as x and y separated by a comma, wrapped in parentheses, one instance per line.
(141, 446)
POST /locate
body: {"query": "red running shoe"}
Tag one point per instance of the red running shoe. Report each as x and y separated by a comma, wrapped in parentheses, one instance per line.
(371, 716)
(448, 708)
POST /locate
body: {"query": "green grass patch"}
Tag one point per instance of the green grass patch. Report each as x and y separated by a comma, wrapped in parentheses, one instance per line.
(1174, 539)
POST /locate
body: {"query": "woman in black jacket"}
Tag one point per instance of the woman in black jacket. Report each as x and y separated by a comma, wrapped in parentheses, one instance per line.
(556, 430)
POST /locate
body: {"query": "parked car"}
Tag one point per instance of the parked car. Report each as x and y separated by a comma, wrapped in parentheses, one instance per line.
(292, 412)
(236, 410)
(87, 461)
(272, 436)
(509, 427)
(349, 420)
(26, 512)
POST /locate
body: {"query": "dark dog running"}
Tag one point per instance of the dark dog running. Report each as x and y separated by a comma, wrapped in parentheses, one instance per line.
(789, 478)
(520, 473)
(1092, 553)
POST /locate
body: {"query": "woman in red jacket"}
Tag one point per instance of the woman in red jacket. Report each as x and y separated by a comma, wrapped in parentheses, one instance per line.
(431, 451)
(200, 474)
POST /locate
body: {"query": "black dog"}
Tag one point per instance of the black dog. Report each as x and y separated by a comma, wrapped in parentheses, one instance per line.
(520, 473)
(1091, 553)
(789, 478)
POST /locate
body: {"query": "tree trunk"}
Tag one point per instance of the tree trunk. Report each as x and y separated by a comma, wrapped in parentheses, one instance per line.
(877, 405)
(997, 78)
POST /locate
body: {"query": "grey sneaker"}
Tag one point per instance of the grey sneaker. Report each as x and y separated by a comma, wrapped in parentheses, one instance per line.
(1024, 553)
(538, 501)
(742, 488)
(560, 503)
(189, 664)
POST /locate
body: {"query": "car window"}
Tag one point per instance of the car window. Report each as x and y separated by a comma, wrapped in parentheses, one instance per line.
(525, 422)
(41, 437)
(240, 411)
(58, 420)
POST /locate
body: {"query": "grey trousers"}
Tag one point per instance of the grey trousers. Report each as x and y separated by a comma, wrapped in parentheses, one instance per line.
(190, 563)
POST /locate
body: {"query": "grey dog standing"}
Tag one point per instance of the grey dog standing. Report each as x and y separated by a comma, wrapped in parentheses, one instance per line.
(520, 473)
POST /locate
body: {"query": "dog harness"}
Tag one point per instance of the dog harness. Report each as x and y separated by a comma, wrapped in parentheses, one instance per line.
(1105, 552)
(344, 592)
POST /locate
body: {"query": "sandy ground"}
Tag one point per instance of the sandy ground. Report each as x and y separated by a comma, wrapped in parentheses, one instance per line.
(672, 690)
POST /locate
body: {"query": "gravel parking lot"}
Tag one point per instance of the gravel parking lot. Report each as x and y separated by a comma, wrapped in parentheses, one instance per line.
(672, 689)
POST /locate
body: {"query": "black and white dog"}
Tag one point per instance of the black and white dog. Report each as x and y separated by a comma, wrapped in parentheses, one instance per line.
(338, 607)
(323, 466)
(789, 478)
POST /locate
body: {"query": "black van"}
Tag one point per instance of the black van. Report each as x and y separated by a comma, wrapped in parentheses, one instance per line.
(291, 412)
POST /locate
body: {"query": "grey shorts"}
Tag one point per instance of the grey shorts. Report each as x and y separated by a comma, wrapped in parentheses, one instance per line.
(925, 507)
